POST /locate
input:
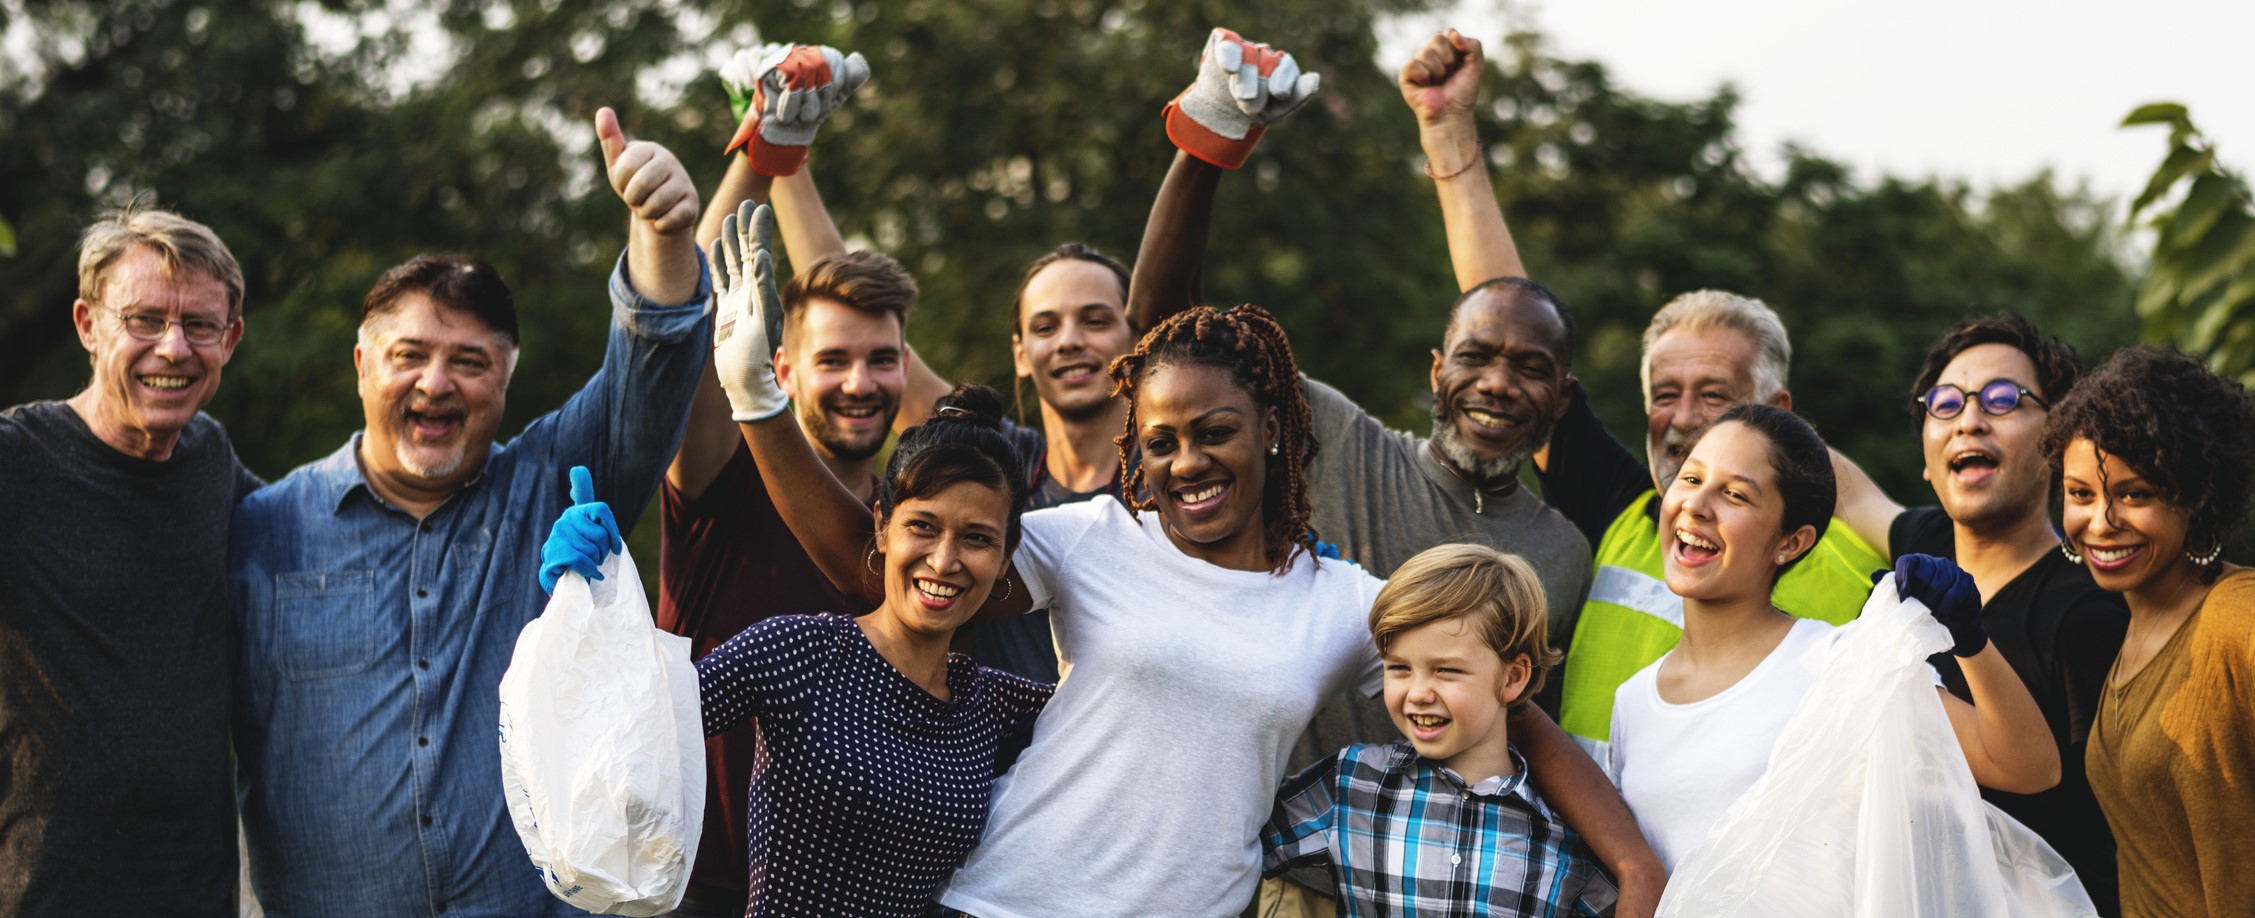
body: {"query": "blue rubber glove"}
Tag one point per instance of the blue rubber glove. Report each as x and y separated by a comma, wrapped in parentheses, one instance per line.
(1949, 593)
(581, 538)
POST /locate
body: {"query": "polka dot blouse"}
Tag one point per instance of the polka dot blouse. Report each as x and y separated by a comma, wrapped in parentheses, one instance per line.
(867, 791)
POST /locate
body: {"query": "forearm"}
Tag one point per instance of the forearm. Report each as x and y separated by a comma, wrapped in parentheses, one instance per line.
(1170, 263)
(809, 234)
(663, 267)
(1573, 784)
(2010, 747)
(833, 526)
(1480, 246)
(742, 183)
(1867, 510)
(924, 389)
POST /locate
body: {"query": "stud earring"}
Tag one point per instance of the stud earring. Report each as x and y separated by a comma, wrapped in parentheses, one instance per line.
(1274, 449)
(2068, 548)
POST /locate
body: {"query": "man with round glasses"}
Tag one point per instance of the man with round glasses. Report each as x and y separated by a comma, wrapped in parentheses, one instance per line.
(1981, 397)
(116, 796)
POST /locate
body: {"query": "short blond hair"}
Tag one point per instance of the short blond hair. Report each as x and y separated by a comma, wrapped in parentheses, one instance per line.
(1498, 592)
(181, 242)
(1702, 309)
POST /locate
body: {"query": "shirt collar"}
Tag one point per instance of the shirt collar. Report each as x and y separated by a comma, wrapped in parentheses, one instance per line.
(1449, 480)
(1512, 785)
(336, 476)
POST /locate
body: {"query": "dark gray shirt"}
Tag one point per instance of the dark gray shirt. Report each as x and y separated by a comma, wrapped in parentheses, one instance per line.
(116, 797)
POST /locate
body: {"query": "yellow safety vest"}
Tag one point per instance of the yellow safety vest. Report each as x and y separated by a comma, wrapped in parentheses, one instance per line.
(1632, 620)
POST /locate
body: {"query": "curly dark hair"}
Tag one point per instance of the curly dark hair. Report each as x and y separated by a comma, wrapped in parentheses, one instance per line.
(2186, 430)
(2056, 366)
(1246, 341)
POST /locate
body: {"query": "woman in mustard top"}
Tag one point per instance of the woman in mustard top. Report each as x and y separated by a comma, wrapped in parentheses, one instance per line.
(2156, 457)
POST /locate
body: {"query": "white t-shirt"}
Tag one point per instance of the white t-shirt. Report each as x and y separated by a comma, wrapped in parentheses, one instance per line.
(1681, 766)
(1184, 687)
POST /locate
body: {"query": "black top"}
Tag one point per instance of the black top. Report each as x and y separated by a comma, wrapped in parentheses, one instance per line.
(1591, 476)
(116, 795)
(2060, 632)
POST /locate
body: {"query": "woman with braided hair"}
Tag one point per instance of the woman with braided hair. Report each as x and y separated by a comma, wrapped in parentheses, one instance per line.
(2156, 458)
(1197, 631)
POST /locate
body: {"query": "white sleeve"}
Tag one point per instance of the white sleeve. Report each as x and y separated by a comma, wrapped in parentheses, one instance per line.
(1047, 537)
(1370, 673)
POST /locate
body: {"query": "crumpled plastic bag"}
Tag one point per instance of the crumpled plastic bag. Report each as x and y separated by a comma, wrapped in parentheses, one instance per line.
(1868, 808)
(602, 747)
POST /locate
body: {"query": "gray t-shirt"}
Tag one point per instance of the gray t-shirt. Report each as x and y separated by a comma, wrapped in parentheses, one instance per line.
(116, 796)
(1382, 496)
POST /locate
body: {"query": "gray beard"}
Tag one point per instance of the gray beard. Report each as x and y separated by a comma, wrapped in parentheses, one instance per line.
(1460, 456)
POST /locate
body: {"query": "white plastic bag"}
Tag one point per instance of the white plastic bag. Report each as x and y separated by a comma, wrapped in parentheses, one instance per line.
(602, 747)
(1868, 809)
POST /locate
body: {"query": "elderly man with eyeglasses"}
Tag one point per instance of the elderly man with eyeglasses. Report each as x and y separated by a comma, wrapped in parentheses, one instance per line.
(1981, 398)
(116, 796)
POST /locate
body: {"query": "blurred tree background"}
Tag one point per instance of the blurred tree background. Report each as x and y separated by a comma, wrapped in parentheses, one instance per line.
(328, 139)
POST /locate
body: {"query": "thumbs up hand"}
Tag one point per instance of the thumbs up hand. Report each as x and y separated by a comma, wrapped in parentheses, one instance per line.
(583, 536)
(648, 178)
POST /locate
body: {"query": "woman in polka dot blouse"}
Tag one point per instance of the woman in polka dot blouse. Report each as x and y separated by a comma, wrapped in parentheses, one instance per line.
(878, 747)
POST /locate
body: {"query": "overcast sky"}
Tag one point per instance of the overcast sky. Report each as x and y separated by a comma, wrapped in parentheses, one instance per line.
(1987, 90)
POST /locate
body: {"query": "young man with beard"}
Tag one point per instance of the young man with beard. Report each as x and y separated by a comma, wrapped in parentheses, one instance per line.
(380, 591)
(1981, 398)
(116, 795)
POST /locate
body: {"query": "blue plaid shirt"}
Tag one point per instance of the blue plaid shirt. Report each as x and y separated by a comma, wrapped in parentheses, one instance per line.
(1403, 836)
(372, 644)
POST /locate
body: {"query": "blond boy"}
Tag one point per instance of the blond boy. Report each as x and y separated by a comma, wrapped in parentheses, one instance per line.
(1446, 822)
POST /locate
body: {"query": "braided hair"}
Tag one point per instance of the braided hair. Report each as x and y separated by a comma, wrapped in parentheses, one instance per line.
(1247, 342)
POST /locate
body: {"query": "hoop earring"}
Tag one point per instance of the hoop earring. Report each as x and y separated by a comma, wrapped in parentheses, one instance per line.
(2067, 548)
(2215, 550)
(870, 561)
(1005, 591)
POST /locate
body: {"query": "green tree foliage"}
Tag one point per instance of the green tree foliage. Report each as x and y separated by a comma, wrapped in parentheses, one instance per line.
(2199, 293)
(326, 141)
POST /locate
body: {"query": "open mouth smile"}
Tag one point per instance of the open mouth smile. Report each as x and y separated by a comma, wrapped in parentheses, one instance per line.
(1198, 500)
(1693, 549)
(2112, 557)
(1426, 726)
(1973, 464)
(1074, 373)
(433, 425)
(935, 594)
(164, 383)
(1490, 421)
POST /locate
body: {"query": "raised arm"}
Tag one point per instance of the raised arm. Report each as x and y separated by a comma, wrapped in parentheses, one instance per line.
(809, 235)
(1863, 506)
(1241, 88)
(1573, 783)
(1441, 84)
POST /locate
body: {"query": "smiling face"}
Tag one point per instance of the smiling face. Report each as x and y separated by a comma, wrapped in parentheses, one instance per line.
(433, 384)
(145, 392)
(1720, 520)
(1692, 376)
(1500, 382)
(1072, 321)
(1447, 691)
(843, 369)
(942, 555)
(1205, 458)
(1988, 470)
(2130, 537)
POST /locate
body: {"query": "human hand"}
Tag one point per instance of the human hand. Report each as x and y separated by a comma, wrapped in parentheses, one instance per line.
(781, 94)
(1950, 594)
(582, 537)
(1441, 82)
(1241, 88)
(655, 187)
(744, 287)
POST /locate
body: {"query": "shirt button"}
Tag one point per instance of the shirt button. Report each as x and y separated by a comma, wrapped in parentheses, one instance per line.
(442, 908)
(420, 592)
(422, 664)
(426, 525)
(422, 741)
(1456, 859)
(426, 822)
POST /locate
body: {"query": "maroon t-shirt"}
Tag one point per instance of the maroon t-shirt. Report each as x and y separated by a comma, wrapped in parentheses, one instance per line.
(726, 560)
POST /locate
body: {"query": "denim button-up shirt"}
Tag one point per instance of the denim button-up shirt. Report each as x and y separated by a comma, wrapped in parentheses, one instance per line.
(372, 644)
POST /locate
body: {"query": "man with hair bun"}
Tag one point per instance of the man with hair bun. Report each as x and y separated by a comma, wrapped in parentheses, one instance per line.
(115, 788)
(379, 591)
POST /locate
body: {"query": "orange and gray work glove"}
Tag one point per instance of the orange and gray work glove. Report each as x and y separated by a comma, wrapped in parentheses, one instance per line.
(1242, 87)
(780, 94)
